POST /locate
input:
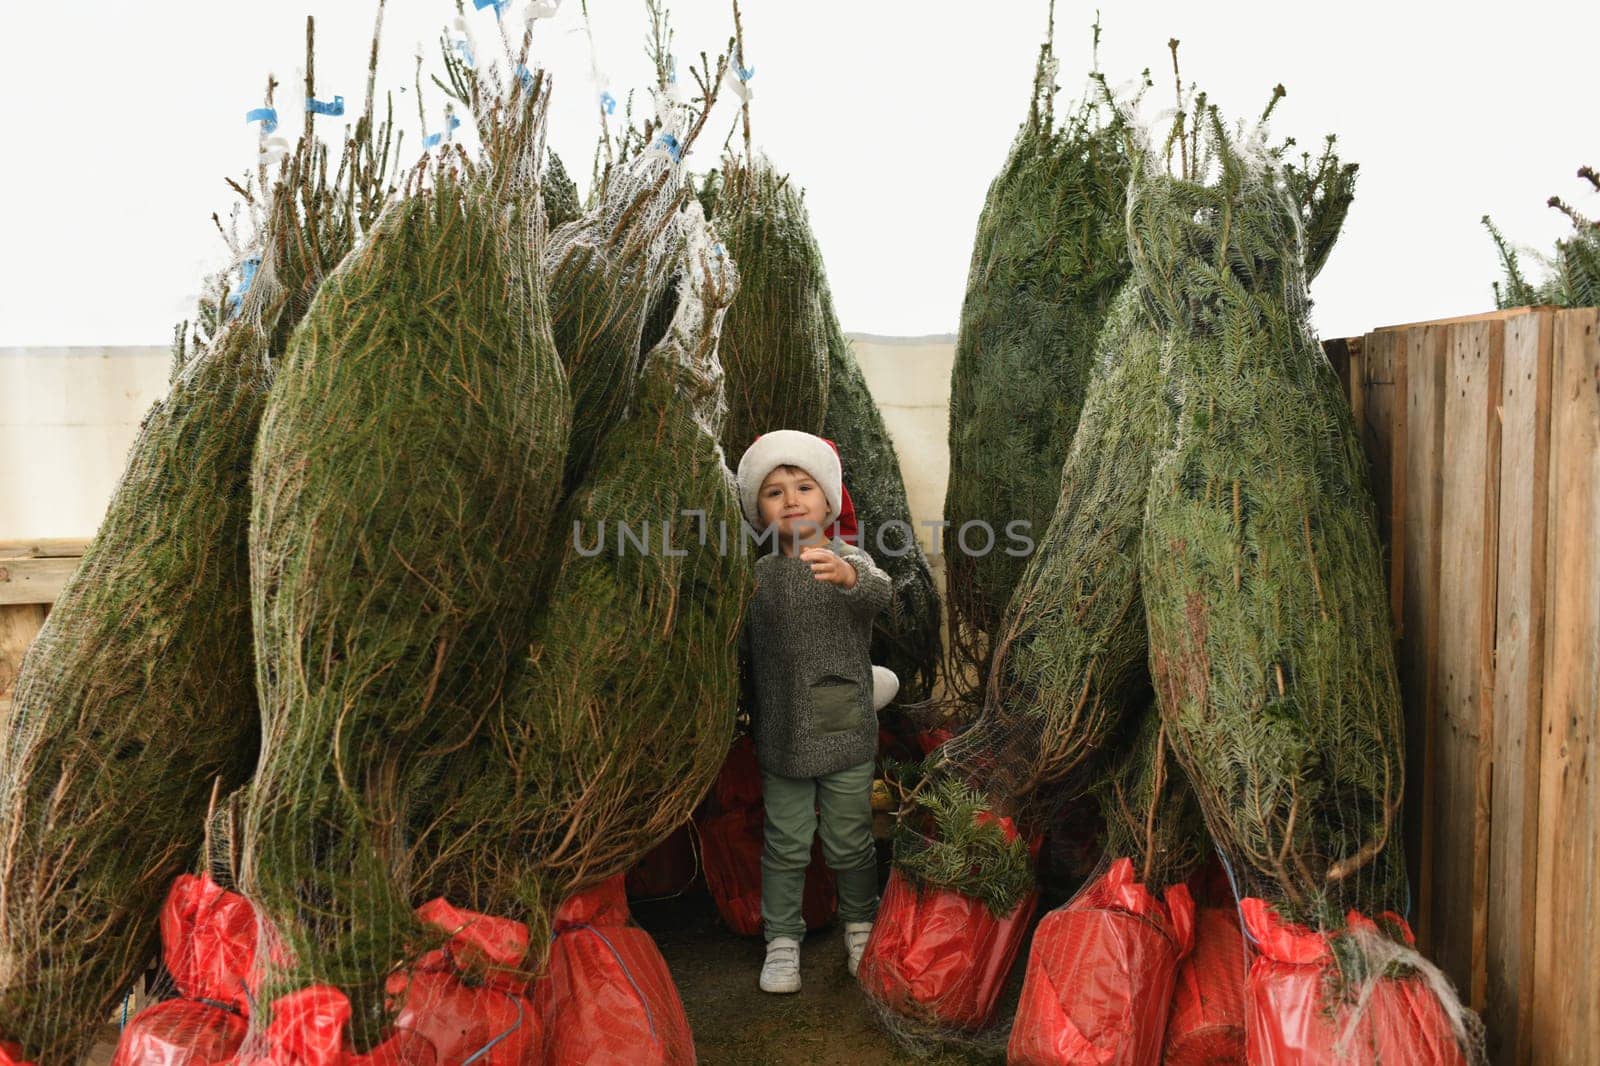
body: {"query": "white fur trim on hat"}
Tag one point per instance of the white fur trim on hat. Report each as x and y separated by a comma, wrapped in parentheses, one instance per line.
(788, 447)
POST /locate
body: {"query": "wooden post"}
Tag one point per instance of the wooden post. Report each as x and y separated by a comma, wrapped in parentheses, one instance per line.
(1419, 647)
(1518, 682)
(1565, 1023)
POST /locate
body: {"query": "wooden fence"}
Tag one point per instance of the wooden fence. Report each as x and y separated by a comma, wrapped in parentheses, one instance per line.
(31, 574)
(1484, 437)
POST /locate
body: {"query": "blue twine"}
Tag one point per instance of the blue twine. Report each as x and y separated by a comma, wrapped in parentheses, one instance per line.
(607, 101)
(326, 107)
(649, 1016)
(670, 143)
(485, 1049)
(450, 128)
(247, 271)
(267, 116)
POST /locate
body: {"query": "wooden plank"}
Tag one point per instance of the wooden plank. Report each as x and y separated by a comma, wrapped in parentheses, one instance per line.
(1565, 1023)
(1338, 354)
(19, 624)
(1462, 641)
(1518, 683)
(1382, 366)
(1355, 383)
(42, 548)
(34, 580)
(1420, 461)
(1482, 316)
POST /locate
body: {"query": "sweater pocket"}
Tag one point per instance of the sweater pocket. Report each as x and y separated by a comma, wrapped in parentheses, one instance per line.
(835, 704)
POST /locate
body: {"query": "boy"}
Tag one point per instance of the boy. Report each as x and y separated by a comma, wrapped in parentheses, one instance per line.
(807, 634)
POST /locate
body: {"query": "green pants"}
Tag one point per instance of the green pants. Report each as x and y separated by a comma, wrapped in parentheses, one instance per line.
(844, 800)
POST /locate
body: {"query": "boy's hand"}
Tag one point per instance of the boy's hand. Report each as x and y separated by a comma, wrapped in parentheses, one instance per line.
(827, 565)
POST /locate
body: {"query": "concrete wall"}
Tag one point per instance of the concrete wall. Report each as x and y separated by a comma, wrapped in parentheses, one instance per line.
(68, 415)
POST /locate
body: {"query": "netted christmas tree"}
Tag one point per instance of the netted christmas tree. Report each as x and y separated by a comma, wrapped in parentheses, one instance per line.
(1048, 258)
(1069, 662)
(607, 269)
(616, 720)
(407, 472)
(136, 704)
(775, 342)
(1572, 272)
(1270, 639)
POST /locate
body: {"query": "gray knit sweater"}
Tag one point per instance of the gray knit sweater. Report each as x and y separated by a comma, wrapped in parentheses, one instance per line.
(807, 645)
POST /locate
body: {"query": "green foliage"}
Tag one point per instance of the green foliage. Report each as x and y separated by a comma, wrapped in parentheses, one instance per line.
(1049, 255)
(406, 474)
(1270, 639)
(617, 718)
(1069, 659)
(774, 342)
(560, 194)
(949, 840)
(602, 272)
(136, 704)
(134, 700)
(1573, 270)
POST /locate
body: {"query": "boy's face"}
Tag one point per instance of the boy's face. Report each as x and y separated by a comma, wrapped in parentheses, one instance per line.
(792, 500)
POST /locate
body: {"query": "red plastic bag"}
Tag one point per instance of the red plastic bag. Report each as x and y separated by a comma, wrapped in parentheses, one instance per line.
(939, 957)
(11, 1054)
(307, 1029)
(1100, 975)
(605, 904)
(181, 1032)
(208, 941)
(730, 848)
(1207, 1020)
(668, 869)
(467, 997)
(1287, 1020)
(607, 998)
(738, 783)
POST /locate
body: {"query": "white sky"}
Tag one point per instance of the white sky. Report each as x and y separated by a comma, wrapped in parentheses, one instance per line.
(121, 119)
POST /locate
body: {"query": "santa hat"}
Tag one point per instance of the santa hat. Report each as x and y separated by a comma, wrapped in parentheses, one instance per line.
(789, 447)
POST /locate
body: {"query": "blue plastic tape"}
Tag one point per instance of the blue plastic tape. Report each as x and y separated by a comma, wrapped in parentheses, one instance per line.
(525, 76)
(466, 51)
(670, 143)
(432, 139)
(608, 101)
(267, 116)
(498, 5)
(326, 107)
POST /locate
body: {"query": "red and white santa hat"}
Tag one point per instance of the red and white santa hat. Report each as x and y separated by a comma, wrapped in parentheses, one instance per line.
(789, 447)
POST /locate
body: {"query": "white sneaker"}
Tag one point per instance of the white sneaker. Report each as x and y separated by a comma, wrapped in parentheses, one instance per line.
(855, 942)
(781, 971)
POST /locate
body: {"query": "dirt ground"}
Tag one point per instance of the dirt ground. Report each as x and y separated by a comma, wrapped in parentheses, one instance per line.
(827, 1023)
